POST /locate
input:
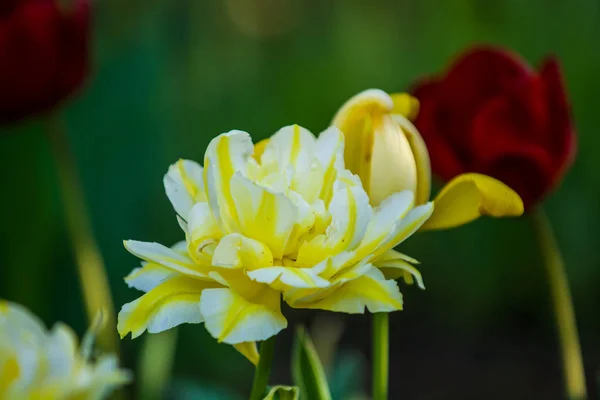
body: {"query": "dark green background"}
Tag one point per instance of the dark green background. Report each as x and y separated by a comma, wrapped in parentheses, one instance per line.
(171, 74)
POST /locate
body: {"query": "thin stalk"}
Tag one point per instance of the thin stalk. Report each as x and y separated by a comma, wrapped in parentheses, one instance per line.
(380, 355)
(156, 364)
(263, 369)
(566, 324)
(92, 274)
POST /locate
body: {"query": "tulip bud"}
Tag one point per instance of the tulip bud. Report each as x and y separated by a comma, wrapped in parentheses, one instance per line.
(383, 147)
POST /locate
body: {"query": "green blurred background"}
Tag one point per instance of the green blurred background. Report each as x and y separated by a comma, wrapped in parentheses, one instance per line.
(169, 75)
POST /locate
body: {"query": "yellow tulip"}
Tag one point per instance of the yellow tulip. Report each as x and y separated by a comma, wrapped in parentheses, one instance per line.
(282, 220)
(387, 152)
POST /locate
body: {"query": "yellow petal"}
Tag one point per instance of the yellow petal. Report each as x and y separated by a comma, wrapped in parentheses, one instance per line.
(248, 350)
(355, 120)
(405, 105)
(226, 154)
(263, 215)
(396, 265)
(421, 156)
(237, 251)
(172, 303)
(393, 166)
(259, 149)
(469, 196)
(184, 185)
(284, 278)
(232, 319)
(370, 290)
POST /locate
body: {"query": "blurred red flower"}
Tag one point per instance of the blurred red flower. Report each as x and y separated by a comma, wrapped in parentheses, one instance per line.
(43, 54)
(492, 114)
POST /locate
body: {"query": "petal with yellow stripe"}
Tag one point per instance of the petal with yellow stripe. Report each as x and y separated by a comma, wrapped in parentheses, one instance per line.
(158, 254)
(405, 105)
(237, 251)
(184, 185)
(395, 265)
(370, 290)
(264, 215)
(149, 276)
(172, 303)
(350, 214)
(291, 145)
(330, 153)
(469, 196)
(284, 278)
(226, 154)
(405, 227)
(233, 319)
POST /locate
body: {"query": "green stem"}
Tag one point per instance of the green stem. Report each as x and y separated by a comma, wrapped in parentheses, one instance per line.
(566, 324)
(92, 274)
(263, 369)
(154, 376)
(380, 355)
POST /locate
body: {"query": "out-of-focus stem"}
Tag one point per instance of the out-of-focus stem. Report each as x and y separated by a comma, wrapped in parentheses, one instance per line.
(156, 364)
(566, 324)
(92, 274)
(380, 355)
(263, 369)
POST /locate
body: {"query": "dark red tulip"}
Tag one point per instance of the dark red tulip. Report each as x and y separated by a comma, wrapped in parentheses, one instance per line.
(43, 54)
(492, 113)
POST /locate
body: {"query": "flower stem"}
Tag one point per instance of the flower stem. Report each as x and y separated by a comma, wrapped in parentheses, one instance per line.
(154, 376)
(566, 324)
(380, 355)
(89, 261)
(263, 369)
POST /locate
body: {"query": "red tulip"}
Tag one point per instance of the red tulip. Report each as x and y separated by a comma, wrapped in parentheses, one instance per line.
(43, 54)
(492, 114)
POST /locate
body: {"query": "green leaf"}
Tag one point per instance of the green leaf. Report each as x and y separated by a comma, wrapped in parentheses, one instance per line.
(307, 370)
(283, 393)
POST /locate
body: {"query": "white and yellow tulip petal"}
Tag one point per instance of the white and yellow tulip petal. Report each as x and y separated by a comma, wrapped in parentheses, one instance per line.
(264, 215)
(469, 196)
(233, 319)
(237, 251)
(396, 265)
(226, 154)
(284, 278)
(405, 227)
(158, 254)
(172, 303)
(184, 185)
(370, 290)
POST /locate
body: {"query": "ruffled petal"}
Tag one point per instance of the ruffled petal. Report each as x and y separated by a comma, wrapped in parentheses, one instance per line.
(370, 290)
(158, 254)
(172, 303)
(232, 319)
(263, 215)
(184, 185)
(237, 251)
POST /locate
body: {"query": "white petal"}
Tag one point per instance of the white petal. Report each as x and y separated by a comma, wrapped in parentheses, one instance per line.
(232, 319)
(263, 215)
(237, 251)
(161, 255)
(184, 185)
(172, 303)
(283, 278)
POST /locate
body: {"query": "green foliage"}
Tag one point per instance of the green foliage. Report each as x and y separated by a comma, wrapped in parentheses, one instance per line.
(307, 370)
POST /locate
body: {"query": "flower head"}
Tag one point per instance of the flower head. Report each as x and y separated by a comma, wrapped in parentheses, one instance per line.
(492, 114)
(386, 150)
(43, 53)
(39, 364)
(288, 223)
